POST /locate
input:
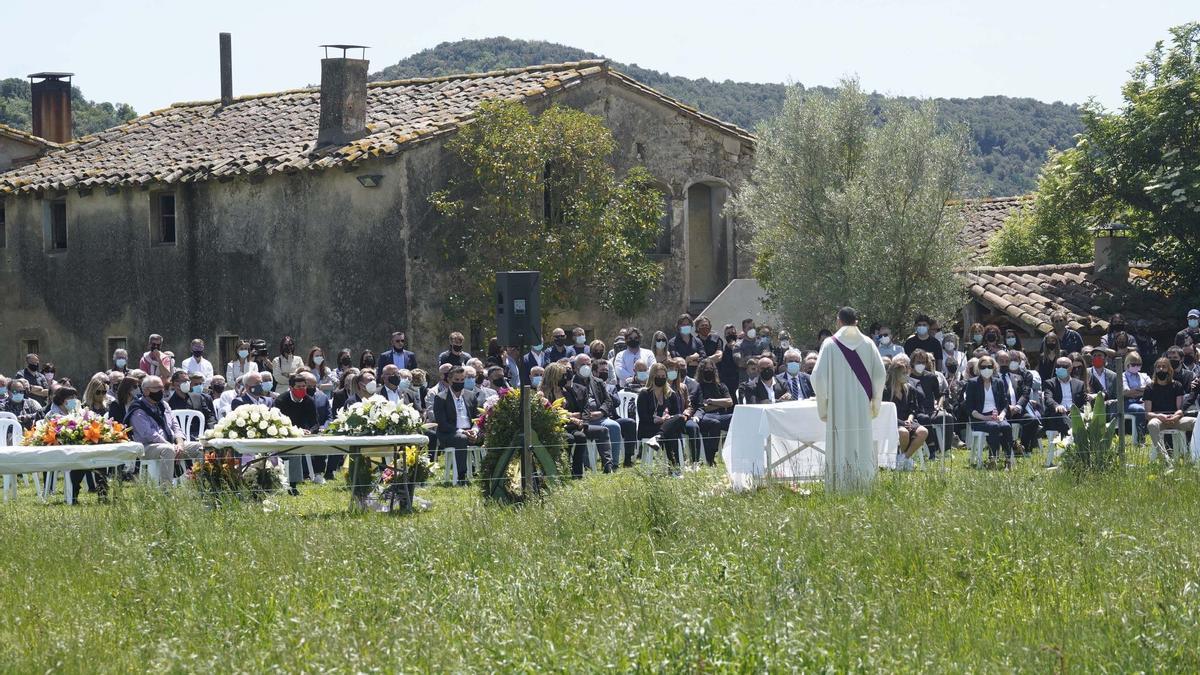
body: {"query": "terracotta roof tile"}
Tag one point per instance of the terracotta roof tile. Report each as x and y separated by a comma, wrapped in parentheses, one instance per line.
(26, 137)
(1029, 295)
(984, 218)
(276, 132)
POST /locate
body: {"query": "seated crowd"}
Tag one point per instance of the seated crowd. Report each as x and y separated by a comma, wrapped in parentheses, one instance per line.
(677, 393)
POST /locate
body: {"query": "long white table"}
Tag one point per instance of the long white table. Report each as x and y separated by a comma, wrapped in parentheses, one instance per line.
(50, 458)
(787, 440)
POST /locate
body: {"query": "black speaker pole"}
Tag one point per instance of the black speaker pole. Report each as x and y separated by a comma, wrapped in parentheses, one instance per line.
(526, 434)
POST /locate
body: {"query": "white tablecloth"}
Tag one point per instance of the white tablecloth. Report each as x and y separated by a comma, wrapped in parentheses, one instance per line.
(374, 446)
(795, 438)
(28, 459)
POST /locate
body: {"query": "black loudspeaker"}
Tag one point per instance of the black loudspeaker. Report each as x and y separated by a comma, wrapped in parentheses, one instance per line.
(518, 309)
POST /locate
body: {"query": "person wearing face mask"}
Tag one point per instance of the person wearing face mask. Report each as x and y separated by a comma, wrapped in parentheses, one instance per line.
(1012, 340)
(1061, 394)
(641, 375)
(559, 349)
(658, 347)
(1048, 357)
(1183, 375)
(908, 400)
(1118, 329)
(988, 402)
(179, 396)
(622, 431)
(1190, 335)
(255, 393)
(685, 386)
(931, 413)
(796, 383)
(344, 391)
(398, 355)
(323, 466)
(1018, 385)
(456, 355)
(222, 396)
(887, 347)
(299, 407)
(1164, 400)
(65, 401)
(765, 388)
(196, 363)
(589, 418)
(21, 404)
(258, 354)
(951, 355)
(579, 341)
(391, 384)
(287, 362)
(120, 359)
(155, 361)
(242, 364)
(158, 431)
(710, 342)
(1103, 382)
(660, 414)
(454, 411)
(728, 368)
(366, 360)
(922, 338)
(1135, 389)
(634, 353)
(714, 409)
(993, 340)
(321, 370)
(685, 343)
(535, 358)
(344, 363)
(975, 336)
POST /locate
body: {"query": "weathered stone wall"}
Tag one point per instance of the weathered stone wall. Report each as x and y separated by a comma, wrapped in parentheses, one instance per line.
(312, 255)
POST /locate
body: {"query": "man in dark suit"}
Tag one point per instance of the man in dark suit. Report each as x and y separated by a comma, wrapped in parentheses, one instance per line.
(454, 411)
(398, 355)
(765, 389)
(1103, 382)
(793, 379)
(1019, 383)
(534, 358)
(559, 350)
(580, 397)
(253, 393)
(183, 398)
(1061, 393)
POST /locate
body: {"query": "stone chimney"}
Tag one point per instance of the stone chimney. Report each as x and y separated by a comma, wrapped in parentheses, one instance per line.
(226, 69)
(1112, 252)
(51, 105)
(343, 97)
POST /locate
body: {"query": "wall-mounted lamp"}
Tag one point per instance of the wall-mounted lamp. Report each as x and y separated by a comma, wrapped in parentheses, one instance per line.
(371, 180)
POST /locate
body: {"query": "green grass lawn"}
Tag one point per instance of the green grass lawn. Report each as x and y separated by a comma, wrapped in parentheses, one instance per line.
(961, 570)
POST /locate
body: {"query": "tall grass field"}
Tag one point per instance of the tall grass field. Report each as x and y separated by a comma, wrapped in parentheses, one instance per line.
(946, 569)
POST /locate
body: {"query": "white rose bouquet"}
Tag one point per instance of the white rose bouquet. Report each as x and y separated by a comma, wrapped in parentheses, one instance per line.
(254, 421)
(376, 416)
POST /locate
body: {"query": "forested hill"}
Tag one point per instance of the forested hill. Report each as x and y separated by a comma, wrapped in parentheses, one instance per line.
(1012, 135)
(86, 116)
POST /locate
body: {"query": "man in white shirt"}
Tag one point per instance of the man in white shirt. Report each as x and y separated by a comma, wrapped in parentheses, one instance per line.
(391, 384)
(631, 355)
(196, 363)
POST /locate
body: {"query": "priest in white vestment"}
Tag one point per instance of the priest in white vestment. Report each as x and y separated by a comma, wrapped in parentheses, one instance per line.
(848, 380)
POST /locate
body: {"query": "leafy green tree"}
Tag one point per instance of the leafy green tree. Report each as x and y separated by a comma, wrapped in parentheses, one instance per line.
(541, 194)
(1139, 165)
(1056, 228)
(844, 211)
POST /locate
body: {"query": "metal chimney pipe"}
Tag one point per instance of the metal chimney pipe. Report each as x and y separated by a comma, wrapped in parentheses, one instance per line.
(343, 98)
(226, 70)
(51, 94)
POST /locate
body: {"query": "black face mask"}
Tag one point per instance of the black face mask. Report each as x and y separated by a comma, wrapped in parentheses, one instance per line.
(660, 381)
(456, 348)
(394, 380)
(708, 376)
(633, 344)
(33, 367)
(344, 362)
(217, 388)
(691, 371)
(559, 340)
(1189, 359)
(155, 396)
(312, 391)
(499, 383)
(951, 367)
(1162, 375)
(730, 337)
(256, 390)
(1174, 364)
(563, 382)
(766, 374)
(456, 386)
(602, 375)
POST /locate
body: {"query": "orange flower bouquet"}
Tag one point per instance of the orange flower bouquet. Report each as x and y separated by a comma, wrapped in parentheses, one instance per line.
(83, 428)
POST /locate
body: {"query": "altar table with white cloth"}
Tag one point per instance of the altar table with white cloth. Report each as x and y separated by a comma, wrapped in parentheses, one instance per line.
(33, 459)
(786, 440)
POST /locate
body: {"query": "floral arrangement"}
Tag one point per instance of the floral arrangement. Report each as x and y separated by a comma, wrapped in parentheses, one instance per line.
(398, 482)
(501, 429)
(254, 421)
(82, 428)
(376, 416)
(222, 473)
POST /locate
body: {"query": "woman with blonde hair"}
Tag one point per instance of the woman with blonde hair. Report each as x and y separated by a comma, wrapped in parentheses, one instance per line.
(95, 395)
(908, 405)
(554, 387)
(660, 413)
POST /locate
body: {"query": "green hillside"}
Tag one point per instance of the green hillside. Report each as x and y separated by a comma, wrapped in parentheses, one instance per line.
(1012, 134)
(87, 116)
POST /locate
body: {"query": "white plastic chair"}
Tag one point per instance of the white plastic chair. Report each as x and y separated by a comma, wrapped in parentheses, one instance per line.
(627, 405)
(1131, 422)
(1179, 444)
(1051, 438)
(10, 436)
(5, 415)
(189, 419)
(977, 442)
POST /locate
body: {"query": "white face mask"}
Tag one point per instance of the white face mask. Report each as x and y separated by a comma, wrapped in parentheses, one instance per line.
(949, 346)
(1013, 366)
(985, 372)
(919, 368)
(751, 333)
(371, 387)
(785, 345)
(585, 372)
(885, 339)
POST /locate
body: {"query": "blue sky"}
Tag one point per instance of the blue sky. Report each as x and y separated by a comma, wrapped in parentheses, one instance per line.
(151, 54)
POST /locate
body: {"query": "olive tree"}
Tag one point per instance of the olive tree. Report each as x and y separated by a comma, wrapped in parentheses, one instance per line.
(847, 211)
